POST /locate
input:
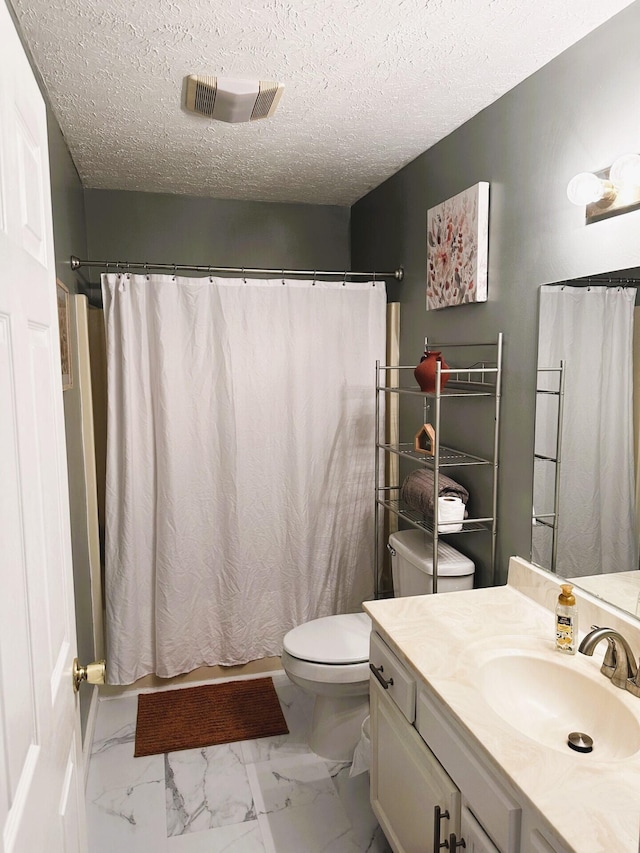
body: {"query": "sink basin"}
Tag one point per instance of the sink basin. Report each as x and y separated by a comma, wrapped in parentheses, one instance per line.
(546, 696)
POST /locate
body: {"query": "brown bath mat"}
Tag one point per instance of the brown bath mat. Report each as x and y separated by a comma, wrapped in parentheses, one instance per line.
(202, 716)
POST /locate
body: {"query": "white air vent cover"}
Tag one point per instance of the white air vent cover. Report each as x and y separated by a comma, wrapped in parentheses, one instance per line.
(227, 99)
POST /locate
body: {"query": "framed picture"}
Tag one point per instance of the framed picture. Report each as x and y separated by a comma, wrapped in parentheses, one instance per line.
(65, 346)
(457, 249)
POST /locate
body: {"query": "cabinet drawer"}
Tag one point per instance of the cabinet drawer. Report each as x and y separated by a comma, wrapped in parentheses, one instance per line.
(389, 666)
(499, 812)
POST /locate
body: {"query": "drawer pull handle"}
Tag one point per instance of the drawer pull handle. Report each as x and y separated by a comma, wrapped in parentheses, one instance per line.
(438, 817)
(454, 843)
(377, 671)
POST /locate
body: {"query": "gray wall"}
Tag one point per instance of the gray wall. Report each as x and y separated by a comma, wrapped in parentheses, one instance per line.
(67, 201)
(163, 228)
(576, 114)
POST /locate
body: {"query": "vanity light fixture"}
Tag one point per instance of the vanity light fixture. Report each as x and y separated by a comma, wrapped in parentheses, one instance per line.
(608, 192)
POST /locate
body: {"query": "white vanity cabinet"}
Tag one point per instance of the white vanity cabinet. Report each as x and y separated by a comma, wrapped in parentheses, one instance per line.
(415, 801)
(428, 783)
(521, 789)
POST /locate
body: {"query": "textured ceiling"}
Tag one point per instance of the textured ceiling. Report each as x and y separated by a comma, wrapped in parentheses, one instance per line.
(369, 84)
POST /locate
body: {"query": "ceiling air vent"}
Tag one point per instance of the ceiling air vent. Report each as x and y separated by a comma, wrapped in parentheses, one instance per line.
(227, 99)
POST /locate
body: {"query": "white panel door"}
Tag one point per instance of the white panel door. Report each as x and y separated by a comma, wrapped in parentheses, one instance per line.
(41, 797)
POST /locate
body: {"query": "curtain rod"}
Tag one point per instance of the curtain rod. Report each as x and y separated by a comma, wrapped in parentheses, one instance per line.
(604, 280)
(76, 264)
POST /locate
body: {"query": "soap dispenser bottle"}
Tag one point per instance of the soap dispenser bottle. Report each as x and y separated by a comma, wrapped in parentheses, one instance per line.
(566, 620)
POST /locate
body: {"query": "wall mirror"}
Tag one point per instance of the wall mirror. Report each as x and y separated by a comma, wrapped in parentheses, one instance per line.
(586, 501)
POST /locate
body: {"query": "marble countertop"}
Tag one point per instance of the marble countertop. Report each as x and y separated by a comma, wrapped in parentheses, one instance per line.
(592, 804)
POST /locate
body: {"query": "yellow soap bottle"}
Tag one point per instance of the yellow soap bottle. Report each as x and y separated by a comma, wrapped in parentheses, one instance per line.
(566, 621)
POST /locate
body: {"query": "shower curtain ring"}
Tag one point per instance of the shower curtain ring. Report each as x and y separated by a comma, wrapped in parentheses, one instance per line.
(243, 276)
(210, 276)
(374, 278)
(344, 279)
(146, 269)
(283, 283)
(314, 277)
(121, 286)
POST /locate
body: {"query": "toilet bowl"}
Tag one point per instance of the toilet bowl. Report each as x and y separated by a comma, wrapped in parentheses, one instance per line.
(329, 657)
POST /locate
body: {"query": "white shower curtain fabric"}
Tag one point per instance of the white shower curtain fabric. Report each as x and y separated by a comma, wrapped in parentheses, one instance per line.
(240, 464)
(592, 330)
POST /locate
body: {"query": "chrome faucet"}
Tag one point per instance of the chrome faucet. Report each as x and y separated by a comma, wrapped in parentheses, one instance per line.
(619, 662)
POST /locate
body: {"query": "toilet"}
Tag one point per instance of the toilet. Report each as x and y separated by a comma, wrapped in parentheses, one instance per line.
(329, 657)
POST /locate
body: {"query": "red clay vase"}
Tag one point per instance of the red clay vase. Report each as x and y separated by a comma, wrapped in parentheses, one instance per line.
(425, 372)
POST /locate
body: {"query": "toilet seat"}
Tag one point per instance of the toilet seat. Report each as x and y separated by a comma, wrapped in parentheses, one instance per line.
(329, 674)
(341, 640)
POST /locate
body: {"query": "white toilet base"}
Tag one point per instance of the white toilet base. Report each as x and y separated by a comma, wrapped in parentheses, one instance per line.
(339, 681)
(336, 725)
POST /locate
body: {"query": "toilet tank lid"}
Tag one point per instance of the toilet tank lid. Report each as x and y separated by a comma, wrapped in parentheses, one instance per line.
(339, 639)
(416, 546)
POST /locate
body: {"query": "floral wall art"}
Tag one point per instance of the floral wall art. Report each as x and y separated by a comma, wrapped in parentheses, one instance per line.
(457, 249)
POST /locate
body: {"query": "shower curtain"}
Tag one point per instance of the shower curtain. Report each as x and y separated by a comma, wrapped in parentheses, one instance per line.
(591, 329)
(240, 464)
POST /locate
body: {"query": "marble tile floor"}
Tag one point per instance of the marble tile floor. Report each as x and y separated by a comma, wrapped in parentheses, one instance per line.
(271, 795)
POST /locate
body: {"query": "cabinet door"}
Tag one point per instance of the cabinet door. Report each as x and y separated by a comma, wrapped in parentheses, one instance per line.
(475, 838)
(407, 782)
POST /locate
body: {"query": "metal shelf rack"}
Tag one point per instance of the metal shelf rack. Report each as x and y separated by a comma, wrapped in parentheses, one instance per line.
(480, 380)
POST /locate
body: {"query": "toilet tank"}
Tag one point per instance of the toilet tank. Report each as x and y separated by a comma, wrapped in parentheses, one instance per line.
(412, 565)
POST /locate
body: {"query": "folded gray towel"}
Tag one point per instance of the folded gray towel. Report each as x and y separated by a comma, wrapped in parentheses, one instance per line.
(417, 490)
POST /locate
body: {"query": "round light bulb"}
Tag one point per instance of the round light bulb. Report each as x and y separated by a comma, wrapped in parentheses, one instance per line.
(586, 188)
(625, 171)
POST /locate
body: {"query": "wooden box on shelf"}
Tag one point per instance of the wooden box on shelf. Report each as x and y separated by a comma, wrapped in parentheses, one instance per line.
(425, 440)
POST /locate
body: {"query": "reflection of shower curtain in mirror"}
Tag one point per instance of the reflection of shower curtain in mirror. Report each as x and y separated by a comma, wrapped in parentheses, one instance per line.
(591, 329)
(240, 465)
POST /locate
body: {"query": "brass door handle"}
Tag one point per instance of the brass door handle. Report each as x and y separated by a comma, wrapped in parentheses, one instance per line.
(92, 673)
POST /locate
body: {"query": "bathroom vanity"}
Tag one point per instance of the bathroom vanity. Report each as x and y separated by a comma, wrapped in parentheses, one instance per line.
(469, 706)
